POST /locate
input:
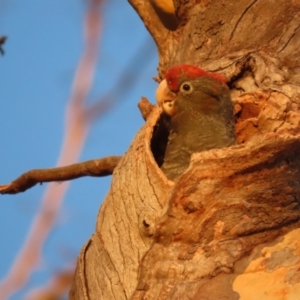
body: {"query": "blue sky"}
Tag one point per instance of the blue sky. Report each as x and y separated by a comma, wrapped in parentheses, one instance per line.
(42, 51)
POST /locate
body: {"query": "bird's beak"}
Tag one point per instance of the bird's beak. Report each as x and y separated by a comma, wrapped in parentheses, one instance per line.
(165, 98)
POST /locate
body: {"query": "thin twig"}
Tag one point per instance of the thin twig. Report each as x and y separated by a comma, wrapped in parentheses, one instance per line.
(96, 167)
(123, 84)
(55, 288)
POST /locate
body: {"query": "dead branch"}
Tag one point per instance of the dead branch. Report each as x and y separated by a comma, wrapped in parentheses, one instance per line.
(95, 167)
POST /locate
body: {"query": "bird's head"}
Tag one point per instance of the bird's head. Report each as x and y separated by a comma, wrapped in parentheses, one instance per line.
(187, 87)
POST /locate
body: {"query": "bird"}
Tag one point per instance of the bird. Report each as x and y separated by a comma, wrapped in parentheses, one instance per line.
(199, 112)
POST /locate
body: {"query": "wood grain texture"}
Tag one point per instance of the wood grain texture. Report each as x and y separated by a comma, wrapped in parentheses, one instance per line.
(126, 224)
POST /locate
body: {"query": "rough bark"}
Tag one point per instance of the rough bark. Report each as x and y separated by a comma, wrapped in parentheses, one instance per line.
(126, 224)
(228, 227)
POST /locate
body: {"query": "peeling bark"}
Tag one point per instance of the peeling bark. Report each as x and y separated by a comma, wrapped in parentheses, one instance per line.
(229, 226)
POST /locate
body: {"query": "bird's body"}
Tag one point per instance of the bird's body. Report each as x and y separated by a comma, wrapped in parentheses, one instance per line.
(200, 113)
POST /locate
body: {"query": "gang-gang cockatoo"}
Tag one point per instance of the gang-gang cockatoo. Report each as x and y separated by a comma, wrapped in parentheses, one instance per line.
(200, 115)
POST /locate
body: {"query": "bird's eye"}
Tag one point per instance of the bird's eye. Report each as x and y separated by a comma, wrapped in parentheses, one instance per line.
(186, 88)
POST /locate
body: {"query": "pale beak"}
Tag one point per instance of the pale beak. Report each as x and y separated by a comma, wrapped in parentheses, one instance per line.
(165, 98)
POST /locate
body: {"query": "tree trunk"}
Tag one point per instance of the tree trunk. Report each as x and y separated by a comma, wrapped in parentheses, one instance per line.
(229, 227)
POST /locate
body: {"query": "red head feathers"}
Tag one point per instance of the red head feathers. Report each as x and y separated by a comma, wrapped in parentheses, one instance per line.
(174, 74)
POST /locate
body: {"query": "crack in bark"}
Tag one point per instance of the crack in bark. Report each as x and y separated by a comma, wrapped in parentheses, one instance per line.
(291, 37)
(240, 18)
(84, 277)
(120, 249)
(113, 265)
(152, 187)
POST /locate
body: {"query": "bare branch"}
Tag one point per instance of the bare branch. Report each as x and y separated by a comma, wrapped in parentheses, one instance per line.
(95, 167)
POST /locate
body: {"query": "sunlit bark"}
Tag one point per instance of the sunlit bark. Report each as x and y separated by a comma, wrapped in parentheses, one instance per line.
(230, 222)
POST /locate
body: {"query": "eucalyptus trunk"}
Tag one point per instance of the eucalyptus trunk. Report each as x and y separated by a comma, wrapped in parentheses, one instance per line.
(229, 227)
